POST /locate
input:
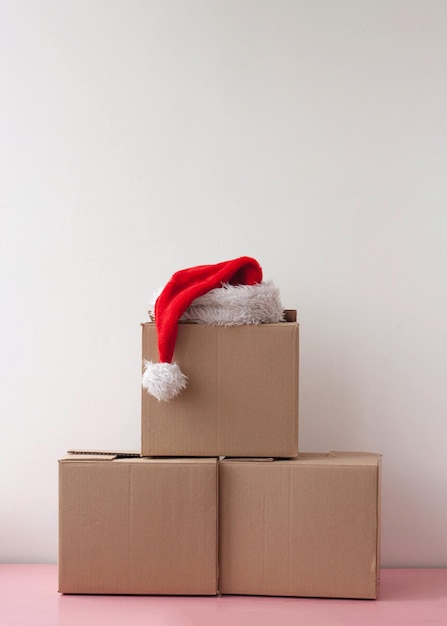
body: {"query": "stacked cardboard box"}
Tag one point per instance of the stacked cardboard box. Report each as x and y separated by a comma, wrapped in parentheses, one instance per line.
(242, 396)
(131, 525)
(219, 500)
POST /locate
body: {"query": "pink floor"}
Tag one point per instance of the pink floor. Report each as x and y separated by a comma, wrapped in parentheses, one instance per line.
(28, 595)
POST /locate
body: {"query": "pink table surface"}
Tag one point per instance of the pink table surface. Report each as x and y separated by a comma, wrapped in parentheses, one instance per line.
(28, 595)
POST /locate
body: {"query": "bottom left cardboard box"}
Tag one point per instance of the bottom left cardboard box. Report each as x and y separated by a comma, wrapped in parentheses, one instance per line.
(132, 525)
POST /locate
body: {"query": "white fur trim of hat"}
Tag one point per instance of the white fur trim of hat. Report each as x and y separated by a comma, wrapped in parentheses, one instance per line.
(233, 305)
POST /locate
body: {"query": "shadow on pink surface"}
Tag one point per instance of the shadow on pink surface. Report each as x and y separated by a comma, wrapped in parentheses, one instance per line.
(413, 585)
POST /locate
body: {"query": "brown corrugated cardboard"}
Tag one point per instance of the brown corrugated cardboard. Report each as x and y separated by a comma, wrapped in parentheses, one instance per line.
(137, 526)
(242, 394)
(302, 527)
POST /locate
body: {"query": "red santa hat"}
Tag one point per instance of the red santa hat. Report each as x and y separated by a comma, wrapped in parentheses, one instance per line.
(228, 293)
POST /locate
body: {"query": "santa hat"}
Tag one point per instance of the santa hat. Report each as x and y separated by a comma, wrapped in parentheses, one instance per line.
(229, 293)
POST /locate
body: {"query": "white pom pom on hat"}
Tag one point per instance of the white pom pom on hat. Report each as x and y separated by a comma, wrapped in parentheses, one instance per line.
(228, 293)
(164, 381)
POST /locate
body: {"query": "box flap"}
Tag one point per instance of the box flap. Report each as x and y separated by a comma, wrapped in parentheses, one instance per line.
(237, 459)
(290, 315)
(339, 458)
(98, 455)
(316, 458)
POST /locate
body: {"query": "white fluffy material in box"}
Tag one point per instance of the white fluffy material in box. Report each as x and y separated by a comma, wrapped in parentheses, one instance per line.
(164, 381)
(234, 305)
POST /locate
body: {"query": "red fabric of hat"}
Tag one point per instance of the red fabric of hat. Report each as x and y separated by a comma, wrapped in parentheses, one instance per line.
(187, 285)
(165, 380)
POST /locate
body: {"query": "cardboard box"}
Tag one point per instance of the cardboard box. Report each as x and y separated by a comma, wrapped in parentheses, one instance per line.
(137, 526)
(303, 527)
(242, 394)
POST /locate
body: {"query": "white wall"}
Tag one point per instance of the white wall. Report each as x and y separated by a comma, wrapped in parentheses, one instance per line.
(141, 137)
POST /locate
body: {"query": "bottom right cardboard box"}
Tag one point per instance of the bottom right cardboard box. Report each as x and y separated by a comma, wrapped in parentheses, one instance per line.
(308, 526)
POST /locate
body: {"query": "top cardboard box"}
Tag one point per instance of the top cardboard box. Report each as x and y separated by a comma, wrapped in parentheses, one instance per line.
(242, 394)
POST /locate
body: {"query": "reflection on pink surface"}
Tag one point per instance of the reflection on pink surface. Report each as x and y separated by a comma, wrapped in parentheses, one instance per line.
(28, 596)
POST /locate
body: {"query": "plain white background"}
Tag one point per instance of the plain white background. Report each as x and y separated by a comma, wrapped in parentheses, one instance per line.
(142, 137)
